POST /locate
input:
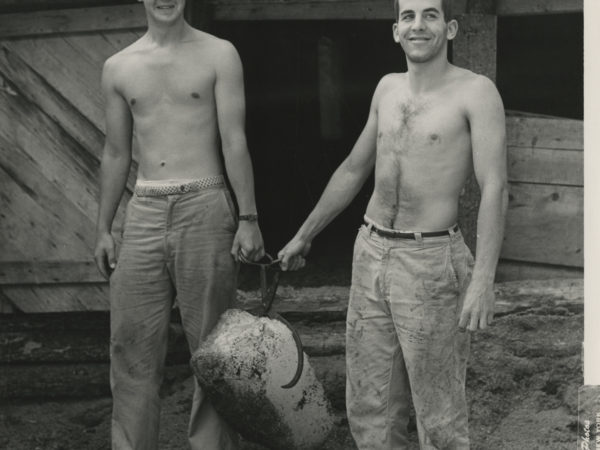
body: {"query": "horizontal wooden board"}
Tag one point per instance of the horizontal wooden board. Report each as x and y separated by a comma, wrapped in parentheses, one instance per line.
(49, 272)
(545, 166)
(516, 270)
(302, 10)
(58, 298)
(534, 7)
(28, 341)
(544, 132)
(35, 5)
(544, 224)
(49, 381)
(54, 381)
(75, 20)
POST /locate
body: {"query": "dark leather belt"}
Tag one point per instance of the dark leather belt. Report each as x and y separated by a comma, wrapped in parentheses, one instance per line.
(402, 235)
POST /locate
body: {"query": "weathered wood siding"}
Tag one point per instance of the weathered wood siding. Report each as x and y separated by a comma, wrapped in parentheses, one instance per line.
(51, 137)
(545, 217)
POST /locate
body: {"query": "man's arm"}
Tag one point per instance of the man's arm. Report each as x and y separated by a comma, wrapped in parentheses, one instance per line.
(488, 139)
(116, 160)
(231, 110)
(343, 186)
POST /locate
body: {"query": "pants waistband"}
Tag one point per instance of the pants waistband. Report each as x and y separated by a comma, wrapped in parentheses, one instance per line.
(171, 187)
(414, 235)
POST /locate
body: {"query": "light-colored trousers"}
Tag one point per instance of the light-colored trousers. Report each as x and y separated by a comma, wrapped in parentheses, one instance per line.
(174, 246)
(403, 344)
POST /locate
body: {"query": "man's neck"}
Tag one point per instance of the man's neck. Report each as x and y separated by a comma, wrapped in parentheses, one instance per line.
(165, 35)
(426, 76)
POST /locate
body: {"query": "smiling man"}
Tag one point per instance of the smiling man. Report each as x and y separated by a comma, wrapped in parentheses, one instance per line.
(415, 286)
(182, 92)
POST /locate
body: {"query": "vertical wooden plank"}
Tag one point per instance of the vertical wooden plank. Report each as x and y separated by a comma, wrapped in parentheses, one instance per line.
(474, 48)
(330, 87)
(199, 14)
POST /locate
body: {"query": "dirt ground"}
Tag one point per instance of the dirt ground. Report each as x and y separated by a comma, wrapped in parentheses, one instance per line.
(523, 379)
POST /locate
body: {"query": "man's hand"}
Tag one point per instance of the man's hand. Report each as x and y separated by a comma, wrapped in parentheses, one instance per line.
(292, 255)
(478, 308)
(248, 240)
(104, 254)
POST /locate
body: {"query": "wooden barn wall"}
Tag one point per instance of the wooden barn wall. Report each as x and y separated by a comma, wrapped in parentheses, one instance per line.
(51, 136)
(544, 226)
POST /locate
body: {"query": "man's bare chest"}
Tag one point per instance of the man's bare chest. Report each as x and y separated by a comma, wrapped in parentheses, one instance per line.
(427, 125)
(175, 83)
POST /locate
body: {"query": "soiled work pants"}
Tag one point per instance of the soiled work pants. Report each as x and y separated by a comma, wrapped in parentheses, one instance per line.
(403, 342)
(174, 246)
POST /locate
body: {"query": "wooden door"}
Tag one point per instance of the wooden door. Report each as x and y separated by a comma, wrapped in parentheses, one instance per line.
(51, 138)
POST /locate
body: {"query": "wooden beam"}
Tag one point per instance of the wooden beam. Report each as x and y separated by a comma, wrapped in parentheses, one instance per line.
(132, 16)
(72, 21)
(474, 48)
(536, 7)
(199, 14)
(329, 54)
(523, 130)
(49, 272)
(544, 150)
(11, 6)
(302, 9)
(545, 166)
(516, 270)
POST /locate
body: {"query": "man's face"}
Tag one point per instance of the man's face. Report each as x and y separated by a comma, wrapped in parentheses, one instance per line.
(164, 10)
(421, 29)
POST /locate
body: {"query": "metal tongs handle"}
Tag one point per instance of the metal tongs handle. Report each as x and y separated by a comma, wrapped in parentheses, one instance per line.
(268, 295)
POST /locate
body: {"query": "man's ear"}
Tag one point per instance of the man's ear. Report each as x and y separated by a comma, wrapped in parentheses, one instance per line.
(452, 29)
(395, 33)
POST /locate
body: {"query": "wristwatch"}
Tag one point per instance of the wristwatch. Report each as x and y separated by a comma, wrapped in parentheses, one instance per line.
(248, 217)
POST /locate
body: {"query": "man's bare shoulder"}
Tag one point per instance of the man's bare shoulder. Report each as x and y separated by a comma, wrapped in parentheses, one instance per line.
(471, 85)
(390, 82)
(135, 47)
(122, 58)
(393, 80)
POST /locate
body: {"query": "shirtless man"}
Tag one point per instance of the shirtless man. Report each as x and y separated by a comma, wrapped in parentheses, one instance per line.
(182, 90)
(414, 287)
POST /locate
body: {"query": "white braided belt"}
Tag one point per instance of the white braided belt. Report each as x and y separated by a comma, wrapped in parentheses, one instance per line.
(158, 189)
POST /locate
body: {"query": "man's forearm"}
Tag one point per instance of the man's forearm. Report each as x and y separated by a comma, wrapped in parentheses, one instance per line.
(490, 234)
(113, 178)
(239, 171)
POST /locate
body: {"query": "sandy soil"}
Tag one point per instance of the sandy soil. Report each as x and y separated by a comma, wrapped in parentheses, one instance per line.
(523, 379)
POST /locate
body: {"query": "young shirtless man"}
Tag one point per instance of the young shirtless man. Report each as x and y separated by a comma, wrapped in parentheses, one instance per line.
(182, 92)
(414, 288)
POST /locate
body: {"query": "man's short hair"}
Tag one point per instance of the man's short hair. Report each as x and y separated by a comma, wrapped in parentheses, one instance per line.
(446, 9)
